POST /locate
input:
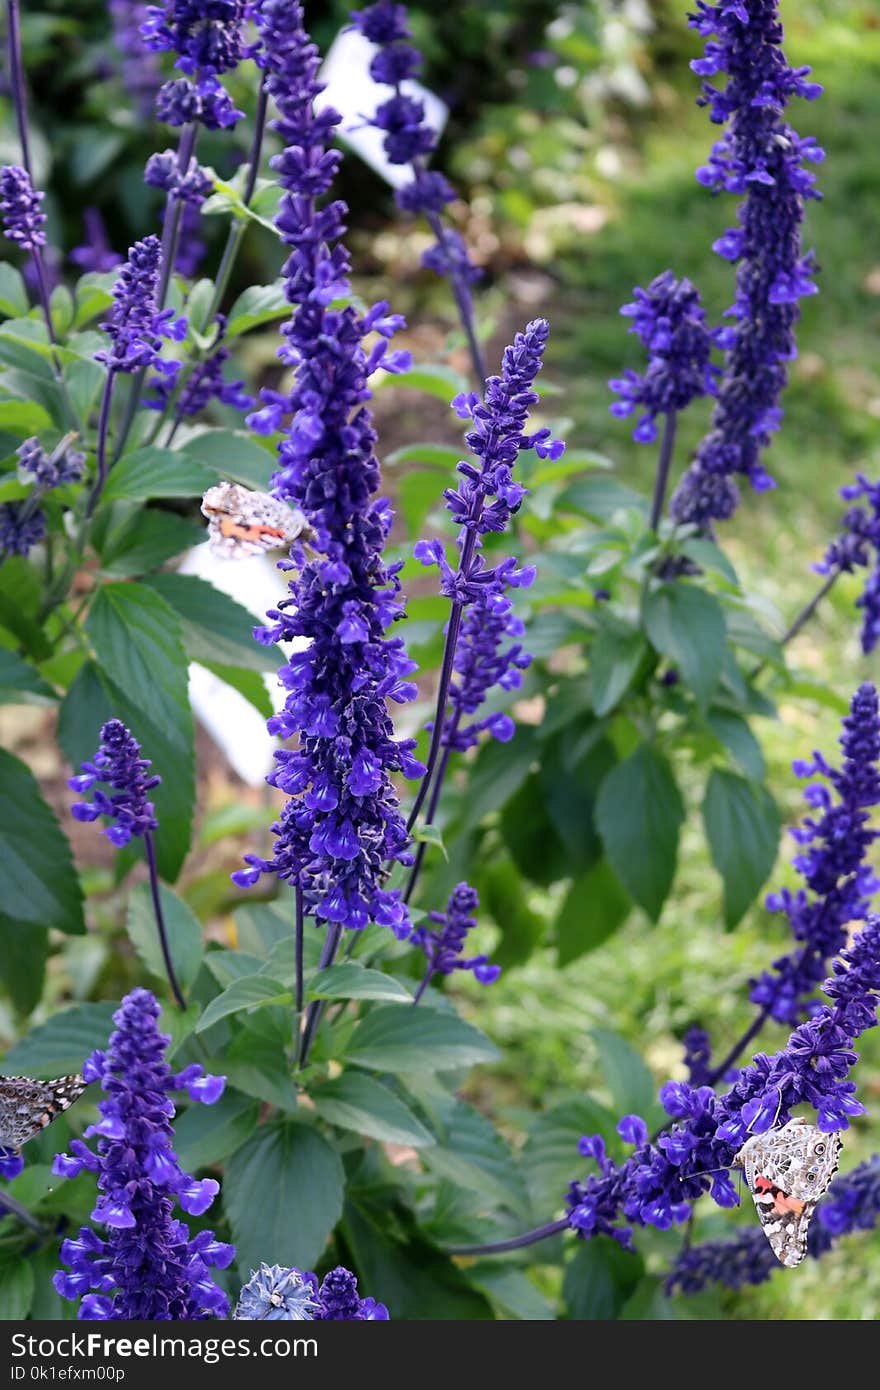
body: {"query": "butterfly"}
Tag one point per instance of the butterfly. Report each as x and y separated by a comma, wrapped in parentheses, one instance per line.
(787, 1171)
(242, 522)
(28, 1106)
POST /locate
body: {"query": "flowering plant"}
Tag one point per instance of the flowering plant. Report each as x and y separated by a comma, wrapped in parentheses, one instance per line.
(504, 679)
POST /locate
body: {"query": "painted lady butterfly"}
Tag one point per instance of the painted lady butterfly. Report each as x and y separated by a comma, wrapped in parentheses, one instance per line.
(242, 522)
(27, 1106)
(787, 1171)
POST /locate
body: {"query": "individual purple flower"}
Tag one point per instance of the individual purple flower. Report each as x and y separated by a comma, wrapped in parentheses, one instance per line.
(858, 547)
(341, 824)
(23, 221)
(191, 187)
(62, 465)
(484, 660)
(444, 943)
(207, 383)
(139, 67)
(145, 1267)
(96, 254)
(21, 528)
(118, 765)
(670, 320)
(208, 40)
(135, 326)
(851, 1204)
(835, 842)
(275, 1294)
(761, 158)
(11, 1164)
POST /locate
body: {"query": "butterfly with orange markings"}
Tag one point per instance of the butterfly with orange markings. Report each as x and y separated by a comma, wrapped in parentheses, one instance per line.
(28, 1106)
(242, 522)
(787, 1171)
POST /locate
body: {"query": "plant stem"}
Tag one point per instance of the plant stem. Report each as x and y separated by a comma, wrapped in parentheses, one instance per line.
(16, 82)
(498, 1247)
(298, 976)
(160, 921)
(20, 1213)
(803, 617)
(663, 466)
(101, 447)
(432, 806)
(429, 975)
(465, 305)
(316, 1008)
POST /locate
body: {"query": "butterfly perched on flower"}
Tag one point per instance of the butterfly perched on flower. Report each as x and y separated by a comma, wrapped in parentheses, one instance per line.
(28, 1106)
(787, 1171)
(242, 522)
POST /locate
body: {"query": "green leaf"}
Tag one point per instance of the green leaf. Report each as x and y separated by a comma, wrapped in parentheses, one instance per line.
(183, 928)
(94, 295)
(742, 827)
(23, 418)
(632, 1087)
(215, 627)
(16, 1289)
(594, 907)
(416, 1039)
(151, 472)
(550, 1153)
(283, 1193)
(23, 961)
(234, 455)
(503, 894)
(254, 1063)
(361, 1103)
(431, 835)
(257, 305)
(40, 884)
(13, 292)
(434, 379)
(499, 770)
(531, 837)
(352, 981)
(20, 684)
(205, 1135)
(250, 992)
(136, 636)
(599, 1279)
(250, 684)
(471, 1153)
(62, 1043)
(511, 1292)
(600, 497)
(639, 812)
(145, 539)
(83, 381)
(615, 658)
(686, 625)
(734, 732)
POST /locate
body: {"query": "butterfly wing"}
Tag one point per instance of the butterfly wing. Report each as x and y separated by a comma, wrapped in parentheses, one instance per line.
(243, 523)
(787, 1171)
(28, 1106)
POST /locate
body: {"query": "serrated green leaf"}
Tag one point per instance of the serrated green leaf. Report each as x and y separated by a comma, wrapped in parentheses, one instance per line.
(615, 658)
(62, 1043)
(40, 885)
(594, 907)
(471, 1152)
(234, 455)
(734, 732)
(13, 292)
(550, 1154)
(183, 929)
(359, 1102)
(21, 684)
(152, 472)
(215, 627)
(256, 305)
(599, 1279)
(686, 625)
(742, 827)
(632, 1087)
(250, 992)
(16, 1288)
(351, 981)
(145, 539)
(283, 1193)
(392, 1038)
(639, 812)
(205, 1135)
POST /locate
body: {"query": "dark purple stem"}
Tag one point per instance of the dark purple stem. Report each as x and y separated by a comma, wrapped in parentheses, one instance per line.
(173, 215)
(429, 975)
(802, 618)
(717, 1072)
(498, 1247)
(663, 466)
(316, 1008)
(432, 805)
(465, 305)
(16, 82)
(160, 921)
(101, 446)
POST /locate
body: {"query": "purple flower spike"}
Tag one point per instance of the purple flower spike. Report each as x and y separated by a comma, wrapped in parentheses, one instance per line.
(208, 40)
(119, 766)
(23, 221)
(21, 528)
(670, 320)
(833, 862)
(858, 547)
(342, 822)
(762, 159)
(145, 1267)
(135, 325)
(444, 943)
